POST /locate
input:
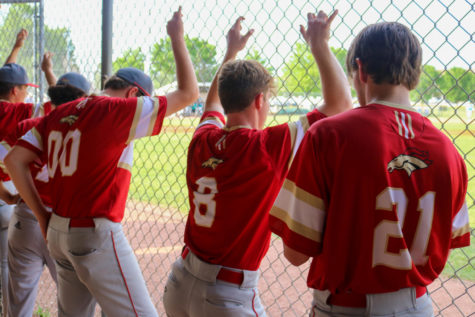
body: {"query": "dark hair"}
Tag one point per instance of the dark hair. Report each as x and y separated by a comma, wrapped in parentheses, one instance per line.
(5, 89)
(116, 83)
(389, 52)
(240, 81)
(61, 94)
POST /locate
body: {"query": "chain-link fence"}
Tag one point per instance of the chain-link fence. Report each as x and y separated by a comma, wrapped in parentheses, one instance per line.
(157, 206)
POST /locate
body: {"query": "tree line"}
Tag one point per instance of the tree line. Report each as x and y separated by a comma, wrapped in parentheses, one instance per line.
(298, 75)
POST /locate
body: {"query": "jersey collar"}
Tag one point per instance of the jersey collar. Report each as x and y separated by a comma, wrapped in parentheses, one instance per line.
(394, 105)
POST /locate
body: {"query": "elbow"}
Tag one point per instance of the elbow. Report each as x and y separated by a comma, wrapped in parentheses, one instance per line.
(294, 257)
(296, 262)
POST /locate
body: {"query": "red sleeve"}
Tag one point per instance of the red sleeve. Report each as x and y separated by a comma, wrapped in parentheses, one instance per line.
(289, 215)
(11, 114)
(315, 115)
(277, 143)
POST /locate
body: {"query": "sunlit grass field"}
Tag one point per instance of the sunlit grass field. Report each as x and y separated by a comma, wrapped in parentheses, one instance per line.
(160, 167)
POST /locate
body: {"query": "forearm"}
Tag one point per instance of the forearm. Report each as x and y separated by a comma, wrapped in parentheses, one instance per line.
(185, 73)
(20, 173)
(335, 86)
(213, 103)
(50, 77)
(12, 58)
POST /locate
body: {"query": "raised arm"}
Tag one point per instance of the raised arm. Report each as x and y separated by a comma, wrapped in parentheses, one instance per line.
(47, 68)
(17, 162)
(335, 86)
(236, 42)
(20, 40)
(187, 91)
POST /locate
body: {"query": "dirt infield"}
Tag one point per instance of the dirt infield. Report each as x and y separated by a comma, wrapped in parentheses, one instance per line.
(156, 235)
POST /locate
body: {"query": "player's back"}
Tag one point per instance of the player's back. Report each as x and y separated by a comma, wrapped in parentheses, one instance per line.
(233, 177)
(397, 184)
(87, 146)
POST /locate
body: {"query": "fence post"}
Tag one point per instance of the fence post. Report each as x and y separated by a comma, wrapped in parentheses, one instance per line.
(106, 64)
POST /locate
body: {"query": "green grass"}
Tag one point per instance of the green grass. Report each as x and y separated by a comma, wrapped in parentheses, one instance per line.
(160, 167)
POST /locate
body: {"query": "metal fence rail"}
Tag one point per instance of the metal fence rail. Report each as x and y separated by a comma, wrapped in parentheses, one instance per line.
(157, 206)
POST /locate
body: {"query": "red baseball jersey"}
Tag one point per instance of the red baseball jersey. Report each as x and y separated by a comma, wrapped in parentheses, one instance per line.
(88, 147)
(376, 196)
(38, 168)
(10, 115)
(233, 177)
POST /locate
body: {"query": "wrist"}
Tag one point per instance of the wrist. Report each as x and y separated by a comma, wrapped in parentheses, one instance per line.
(230, 56)
(320, 51)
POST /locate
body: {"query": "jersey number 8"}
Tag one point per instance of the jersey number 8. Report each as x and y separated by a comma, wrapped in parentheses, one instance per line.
(206, 200)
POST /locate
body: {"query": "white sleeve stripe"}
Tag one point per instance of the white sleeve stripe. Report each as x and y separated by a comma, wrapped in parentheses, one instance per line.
(127, 156)
(146, 117)
(135, 120)
(461, 218)
(300, 211)
(33, 138)
(219, 124)
(153, 116)
(4, 148)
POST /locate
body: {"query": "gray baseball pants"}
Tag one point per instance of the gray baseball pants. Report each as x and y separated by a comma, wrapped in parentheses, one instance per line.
(97, 264)
(27, 256)
(193, 290)
(6, 212)
(402, 303)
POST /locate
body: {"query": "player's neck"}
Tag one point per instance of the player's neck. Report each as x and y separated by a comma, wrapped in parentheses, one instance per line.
(245, 118)
(395, 94)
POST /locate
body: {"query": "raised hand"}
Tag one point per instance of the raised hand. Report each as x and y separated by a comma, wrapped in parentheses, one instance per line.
(175, 25)
(21, 37)
(237, 41)
(46, 63)
(318, 29)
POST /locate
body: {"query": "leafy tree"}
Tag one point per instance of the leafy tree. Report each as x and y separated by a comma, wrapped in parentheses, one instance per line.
(300, 72)
(254, 54)
(131, 58)
(203, 57)
(428, 86)
(57, 40)
(457, 85)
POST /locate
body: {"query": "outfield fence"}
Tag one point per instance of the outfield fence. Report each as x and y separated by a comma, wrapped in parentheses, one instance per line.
(157, 207)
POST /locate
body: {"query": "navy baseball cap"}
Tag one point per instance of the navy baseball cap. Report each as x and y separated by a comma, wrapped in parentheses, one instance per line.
(75, 80)
(137, 78)
(14, 74)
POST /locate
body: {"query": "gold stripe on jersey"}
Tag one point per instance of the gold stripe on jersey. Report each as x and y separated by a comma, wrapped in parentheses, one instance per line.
(37, 135)
(135, 121)
(125, 166)
(303, 195)
(293, 136)
(305, 123)
(296, 226)
(6, 145)
(153, 118)
(461, 231)
(213, 119)
(394, 105)
(396, 114)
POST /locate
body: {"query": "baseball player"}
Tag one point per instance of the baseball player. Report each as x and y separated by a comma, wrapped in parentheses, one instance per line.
(13, 91)
(27, 251)
(89, 172)
(235, 169)
(375, 195)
